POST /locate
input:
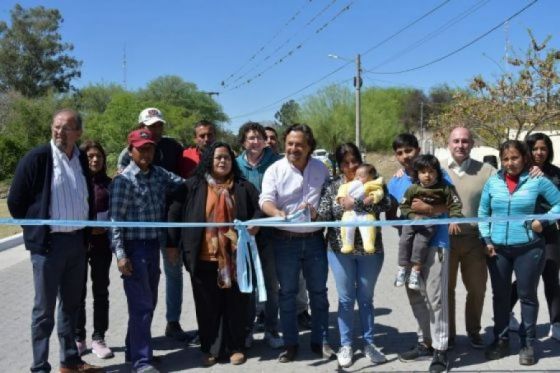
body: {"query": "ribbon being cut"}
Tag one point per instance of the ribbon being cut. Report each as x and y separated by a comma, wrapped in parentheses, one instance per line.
(247, 255)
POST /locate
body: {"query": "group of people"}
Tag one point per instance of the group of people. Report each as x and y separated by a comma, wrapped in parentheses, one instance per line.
(159, 181)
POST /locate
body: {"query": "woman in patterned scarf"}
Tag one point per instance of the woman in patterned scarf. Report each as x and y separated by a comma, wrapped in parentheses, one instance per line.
(217, 194)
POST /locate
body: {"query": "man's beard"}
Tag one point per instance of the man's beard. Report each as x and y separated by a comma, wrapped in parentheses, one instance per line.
(60, 144)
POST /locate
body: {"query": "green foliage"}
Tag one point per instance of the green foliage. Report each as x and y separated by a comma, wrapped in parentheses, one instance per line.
(33, 59)
(183, 105)
(331, 114)
(383, 111)
(288, 114)
(112, 126)
(520, 101)
(25, 123)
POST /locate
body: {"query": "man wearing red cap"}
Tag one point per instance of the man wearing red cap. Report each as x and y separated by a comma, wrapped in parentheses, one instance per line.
(168, 154)
(138, 194)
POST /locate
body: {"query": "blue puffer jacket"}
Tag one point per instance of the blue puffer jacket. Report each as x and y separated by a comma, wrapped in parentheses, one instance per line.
(497, 201)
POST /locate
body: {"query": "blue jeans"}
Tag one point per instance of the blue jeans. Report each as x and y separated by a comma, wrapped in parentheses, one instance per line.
(291, 256)
(355, 277)
(173, 287)
(527, 261)
(141, 289)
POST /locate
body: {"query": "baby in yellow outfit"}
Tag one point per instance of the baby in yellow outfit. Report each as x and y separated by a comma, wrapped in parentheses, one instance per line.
(365, 184)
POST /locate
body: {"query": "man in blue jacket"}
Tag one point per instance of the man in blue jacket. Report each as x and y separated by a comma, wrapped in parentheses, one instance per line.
(51, 183)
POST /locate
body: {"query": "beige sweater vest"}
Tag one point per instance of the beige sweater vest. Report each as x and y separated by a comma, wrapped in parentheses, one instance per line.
(469, 187)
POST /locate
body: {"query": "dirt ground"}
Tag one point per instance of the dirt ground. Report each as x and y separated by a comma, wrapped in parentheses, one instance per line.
(385, 164)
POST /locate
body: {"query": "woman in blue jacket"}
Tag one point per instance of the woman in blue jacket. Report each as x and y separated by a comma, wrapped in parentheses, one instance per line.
(515, 246)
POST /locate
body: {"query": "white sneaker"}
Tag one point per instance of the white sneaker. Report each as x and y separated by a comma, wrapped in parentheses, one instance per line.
(555, 331)
(344, 356)
(513, 323)
(414, 280)
(273, 339)
(402, 276)
(100, 349)
(373, 353)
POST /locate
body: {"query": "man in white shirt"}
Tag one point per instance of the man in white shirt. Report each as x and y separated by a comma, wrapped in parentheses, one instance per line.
(51, 182)
(290, 185)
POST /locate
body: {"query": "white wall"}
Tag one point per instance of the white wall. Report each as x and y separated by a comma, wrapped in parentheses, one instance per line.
(478, 152)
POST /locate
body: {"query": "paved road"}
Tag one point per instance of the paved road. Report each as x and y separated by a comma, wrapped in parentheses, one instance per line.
(395, 328)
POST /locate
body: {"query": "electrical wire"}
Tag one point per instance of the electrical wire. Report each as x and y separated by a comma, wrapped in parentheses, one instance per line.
(410, 24)
(439, 59)
(286, 42)
(453, 21)
(293, 50)
(263, 47)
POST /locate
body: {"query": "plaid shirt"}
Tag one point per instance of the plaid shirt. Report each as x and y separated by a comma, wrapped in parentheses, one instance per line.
(138, 196)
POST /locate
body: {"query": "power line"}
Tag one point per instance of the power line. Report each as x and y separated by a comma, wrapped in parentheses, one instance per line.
(263, 47)
(286, 42)
(458, 49)
(453, 21)
(437, 7)
(293, 50)
(292, 94)
(410, 24)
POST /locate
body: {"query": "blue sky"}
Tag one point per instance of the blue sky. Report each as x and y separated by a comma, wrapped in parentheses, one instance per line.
(205, 41)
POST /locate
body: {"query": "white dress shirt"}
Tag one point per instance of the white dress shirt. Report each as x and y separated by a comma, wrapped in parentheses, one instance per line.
(287, 187)
(459, 170)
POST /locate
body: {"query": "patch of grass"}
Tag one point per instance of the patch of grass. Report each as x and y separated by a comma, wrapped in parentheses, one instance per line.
(7, 230)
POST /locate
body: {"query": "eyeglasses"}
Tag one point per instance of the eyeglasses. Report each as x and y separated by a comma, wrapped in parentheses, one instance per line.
(254, 138)
(225, 158)
(64, 129)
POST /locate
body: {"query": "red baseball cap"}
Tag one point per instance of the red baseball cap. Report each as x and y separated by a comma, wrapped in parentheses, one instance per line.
(138, 138)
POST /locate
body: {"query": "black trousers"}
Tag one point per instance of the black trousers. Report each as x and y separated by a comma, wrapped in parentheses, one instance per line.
(221, 313)
(99, 256)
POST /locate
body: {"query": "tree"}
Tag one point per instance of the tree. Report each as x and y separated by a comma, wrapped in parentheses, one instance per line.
(383, 111)
(288, 113)
(411, 114)
(330, 113)
(25, 122)
(33, 59)
(518, 103)
(183, 105)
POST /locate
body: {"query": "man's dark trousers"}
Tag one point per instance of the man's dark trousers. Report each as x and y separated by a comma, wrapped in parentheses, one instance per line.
(58, 272)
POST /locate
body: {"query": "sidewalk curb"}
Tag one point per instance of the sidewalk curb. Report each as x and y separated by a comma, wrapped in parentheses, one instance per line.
(12, 241)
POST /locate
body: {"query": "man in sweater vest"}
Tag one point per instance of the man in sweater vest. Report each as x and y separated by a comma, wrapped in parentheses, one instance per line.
(467, 251)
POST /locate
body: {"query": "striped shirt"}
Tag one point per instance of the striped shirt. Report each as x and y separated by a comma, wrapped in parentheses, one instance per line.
(140, 196)
(69, 193)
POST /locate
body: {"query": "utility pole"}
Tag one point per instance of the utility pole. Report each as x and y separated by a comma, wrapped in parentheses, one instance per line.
(421, 123)
(358, 85)
(124, 66)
